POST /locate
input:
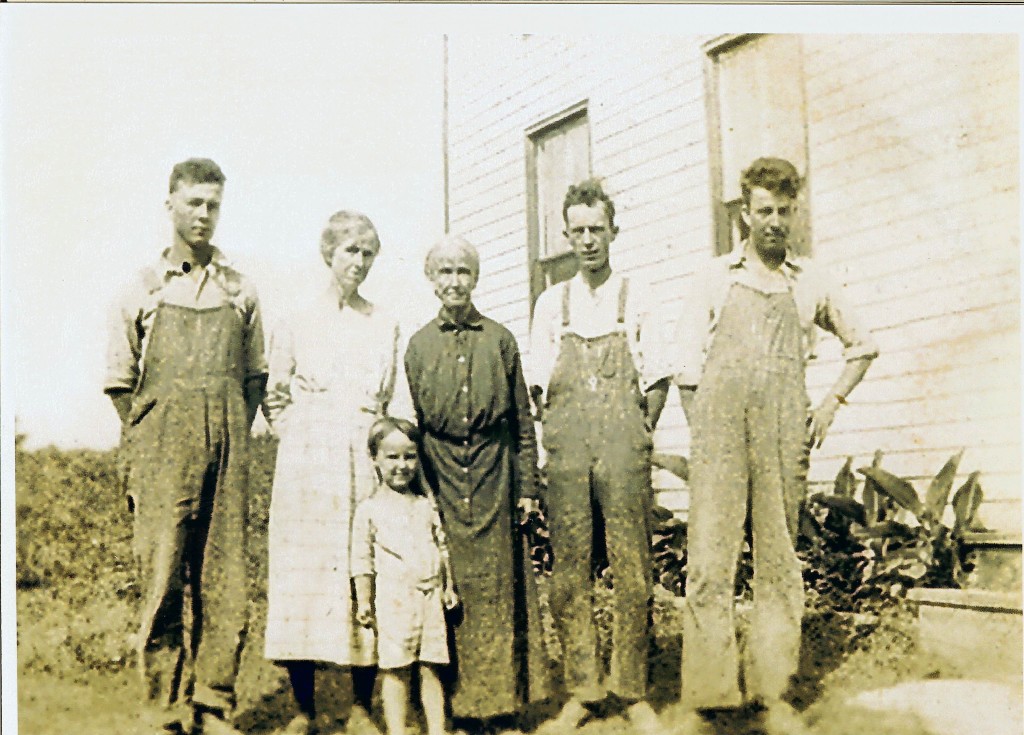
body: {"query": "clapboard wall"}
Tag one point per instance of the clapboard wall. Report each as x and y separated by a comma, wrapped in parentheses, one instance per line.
(912, 145)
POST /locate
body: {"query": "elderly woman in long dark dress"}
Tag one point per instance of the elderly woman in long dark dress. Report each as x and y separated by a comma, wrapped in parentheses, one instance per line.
(480, 460)
(333, 367)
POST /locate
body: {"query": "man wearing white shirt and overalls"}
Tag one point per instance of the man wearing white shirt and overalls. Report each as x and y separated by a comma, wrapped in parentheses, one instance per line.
(743, 338)
(598, 390)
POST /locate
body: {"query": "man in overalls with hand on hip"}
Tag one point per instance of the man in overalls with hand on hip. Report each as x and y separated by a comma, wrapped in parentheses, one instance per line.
(186, 374)
(745, 333)
(600, 394)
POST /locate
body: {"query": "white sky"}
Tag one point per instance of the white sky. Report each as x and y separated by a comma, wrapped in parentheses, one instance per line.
(305, 117)
(308, 109)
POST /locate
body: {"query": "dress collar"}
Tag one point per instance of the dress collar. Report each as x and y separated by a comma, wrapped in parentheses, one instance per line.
(473, 320)
(332, 295)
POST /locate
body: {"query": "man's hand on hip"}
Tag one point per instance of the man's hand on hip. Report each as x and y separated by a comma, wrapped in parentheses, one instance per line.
(821, 419)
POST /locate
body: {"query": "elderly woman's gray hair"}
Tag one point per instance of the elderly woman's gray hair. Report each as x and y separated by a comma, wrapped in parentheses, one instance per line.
(451, 247)
(342, 227)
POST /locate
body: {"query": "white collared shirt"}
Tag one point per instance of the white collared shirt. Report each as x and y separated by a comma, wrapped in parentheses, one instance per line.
(819, 301)
(131, 322)
(592, 313)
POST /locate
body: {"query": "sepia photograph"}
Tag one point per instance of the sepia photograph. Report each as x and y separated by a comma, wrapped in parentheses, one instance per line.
(410, 369)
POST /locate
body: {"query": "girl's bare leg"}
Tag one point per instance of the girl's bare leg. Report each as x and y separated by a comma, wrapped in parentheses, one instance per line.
(432, 698)
(394, 694)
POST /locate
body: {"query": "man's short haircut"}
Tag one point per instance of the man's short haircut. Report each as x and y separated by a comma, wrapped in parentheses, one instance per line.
(777, 175)
(196, 171)
(588, 192)
(451, 245)
(345, 226)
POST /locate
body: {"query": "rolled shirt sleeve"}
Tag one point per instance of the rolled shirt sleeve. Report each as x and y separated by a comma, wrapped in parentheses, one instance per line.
(686, 353)
(650, 337)
(124, 345)
(834, 314)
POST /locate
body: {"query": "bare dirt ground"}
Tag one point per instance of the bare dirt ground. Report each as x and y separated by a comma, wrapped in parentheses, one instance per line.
(56, 701)
(77, 596)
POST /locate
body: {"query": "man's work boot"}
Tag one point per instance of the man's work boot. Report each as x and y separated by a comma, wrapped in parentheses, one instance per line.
(781, 719)
(210, 722)
(644, 720)
(572, 715)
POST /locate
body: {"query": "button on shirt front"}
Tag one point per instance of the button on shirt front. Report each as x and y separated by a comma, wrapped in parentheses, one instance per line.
(467, 385)
(468, 394)
(174, 280)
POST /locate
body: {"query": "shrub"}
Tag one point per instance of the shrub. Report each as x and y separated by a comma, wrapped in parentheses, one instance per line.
(75, 569)
(868, 554)
(77, 578)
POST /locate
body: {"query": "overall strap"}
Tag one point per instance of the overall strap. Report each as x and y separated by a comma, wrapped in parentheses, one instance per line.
(565, 305)
(623, 295)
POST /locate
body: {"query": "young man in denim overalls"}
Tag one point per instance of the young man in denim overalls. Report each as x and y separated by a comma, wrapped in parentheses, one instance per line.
(597, 385)
(186, 373)
(743, 339)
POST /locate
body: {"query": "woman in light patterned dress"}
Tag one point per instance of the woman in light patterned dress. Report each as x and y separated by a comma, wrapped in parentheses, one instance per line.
(333, 369)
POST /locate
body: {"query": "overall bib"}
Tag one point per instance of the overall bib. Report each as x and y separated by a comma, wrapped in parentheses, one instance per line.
(748, 460)
(599, 467)
(188, 434)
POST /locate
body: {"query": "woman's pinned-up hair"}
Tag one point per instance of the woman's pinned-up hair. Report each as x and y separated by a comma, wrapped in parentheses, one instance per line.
(344, 226)
(451, 246)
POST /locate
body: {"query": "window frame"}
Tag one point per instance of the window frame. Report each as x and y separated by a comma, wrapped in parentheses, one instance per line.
(539, 264)
(726, 217)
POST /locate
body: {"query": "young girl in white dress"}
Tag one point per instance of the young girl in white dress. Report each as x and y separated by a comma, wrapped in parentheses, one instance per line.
(403, 581)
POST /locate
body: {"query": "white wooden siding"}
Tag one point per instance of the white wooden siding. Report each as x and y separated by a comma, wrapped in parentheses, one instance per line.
(913, 170)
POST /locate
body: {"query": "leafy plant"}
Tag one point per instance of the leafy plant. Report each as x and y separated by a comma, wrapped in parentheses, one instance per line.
(858, 553)
(832, 555)
(855, 553)
(668, 550)
(925, 552)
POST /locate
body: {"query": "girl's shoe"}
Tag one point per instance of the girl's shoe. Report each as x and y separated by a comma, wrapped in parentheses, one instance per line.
(300, 725)
(569, 719)
(781, 718)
